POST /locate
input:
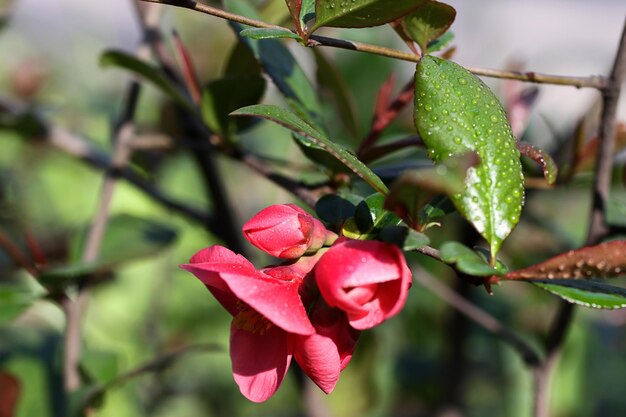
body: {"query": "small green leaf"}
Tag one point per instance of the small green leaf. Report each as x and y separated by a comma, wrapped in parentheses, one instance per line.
(586, 293)
(440, 43)
(466, 260)
(307, 12)
(439, 206)
(268, 33)
(334, 210)
(14, 300)
(221, 97)
(428, 22)
(455, 112)
(370, 218)
(151, 73)
(291, 121)
(404, 237)
(360, 13)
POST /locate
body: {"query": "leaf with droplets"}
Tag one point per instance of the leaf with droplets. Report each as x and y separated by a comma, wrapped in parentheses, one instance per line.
(605, 260)
(360, 13)
(586, 293)
(428, 22)
(306, 132)
(550, 170)
(455, 112)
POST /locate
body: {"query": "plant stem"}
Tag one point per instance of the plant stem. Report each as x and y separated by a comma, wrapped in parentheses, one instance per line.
(598, 227)
(480, 317)
(597, 82)
(123, 134)
(15, 253)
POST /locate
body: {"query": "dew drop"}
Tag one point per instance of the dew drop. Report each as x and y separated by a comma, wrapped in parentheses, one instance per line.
(462, 81)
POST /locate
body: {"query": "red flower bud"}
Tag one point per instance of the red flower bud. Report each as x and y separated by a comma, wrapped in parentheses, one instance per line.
(285, 231)
(369, 280)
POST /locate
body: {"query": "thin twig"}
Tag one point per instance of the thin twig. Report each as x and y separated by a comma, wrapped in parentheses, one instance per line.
(598, 227)
(155, 365)
(595, 81)
(74, 309)
(527, 352)
(17, 255)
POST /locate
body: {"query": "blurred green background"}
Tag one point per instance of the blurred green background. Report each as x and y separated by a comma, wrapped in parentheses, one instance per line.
(427, 361)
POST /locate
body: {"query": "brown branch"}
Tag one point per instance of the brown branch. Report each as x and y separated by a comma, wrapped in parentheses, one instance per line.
(482, 318)
(597, 82)
(122, 136)
(598, 227)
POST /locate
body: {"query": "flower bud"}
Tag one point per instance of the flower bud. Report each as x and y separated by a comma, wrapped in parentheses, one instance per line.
(367, 279)
(285, 231)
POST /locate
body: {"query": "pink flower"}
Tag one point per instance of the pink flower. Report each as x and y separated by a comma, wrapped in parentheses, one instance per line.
(369, 280)
(285, 231)
(270, 324)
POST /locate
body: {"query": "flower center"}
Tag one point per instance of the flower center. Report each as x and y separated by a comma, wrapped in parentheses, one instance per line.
(249, 320)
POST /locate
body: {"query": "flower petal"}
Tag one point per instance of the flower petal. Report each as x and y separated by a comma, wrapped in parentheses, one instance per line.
(259, 362)
(276, 299)
(318, 357)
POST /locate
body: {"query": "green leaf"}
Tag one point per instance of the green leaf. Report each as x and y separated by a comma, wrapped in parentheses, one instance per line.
(605, 260)
(329, 78)
(334, 210)
(439, 206)
(440, 43)
(149, 72)
(221, 97)
(126, 238)
(455, 112)
(466, 260)
(282, 68)
(301, 12)
(405, 238)
(369, 219)
(428, 22)
(586, 293)
(360, 13)
(307, 12)
(291, 121)
(14, 300)
(268, 33)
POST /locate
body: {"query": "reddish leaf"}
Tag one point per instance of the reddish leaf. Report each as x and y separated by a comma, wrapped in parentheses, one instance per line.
(294, 8)
(519, 101)
(605, 260)
(9, 393)
(586, 156)
(189, 72)
(550, 170)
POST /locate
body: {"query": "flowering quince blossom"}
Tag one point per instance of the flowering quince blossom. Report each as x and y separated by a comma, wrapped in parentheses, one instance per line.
(310, 308)
(367, 279)
(270, 324)
(285, 231)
